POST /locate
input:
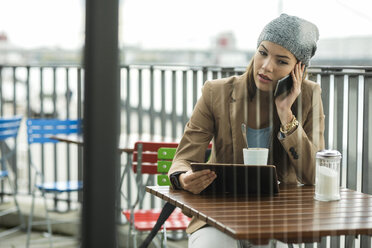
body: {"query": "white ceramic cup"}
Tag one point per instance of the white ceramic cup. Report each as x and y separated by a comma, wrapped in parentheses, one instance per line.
(255, 156)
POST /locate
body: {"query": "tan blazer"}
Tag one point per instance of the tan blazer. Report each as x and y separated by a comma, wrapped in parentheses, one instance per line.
(218, 115)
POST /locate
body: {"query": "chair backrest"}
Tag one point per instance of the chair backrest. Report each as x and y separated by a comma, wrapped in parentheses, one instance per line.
(9, 127)
(165, 158)
(39, 130)
(146, 155)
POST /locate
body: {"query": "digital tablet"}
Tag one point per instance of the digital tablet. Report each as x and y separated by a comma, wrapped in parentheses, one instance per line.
(241, 179)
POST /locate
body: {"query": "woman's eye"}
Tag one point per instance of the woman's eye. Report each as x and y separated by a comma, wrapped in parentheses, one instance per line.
(263, 53)
(282, 62)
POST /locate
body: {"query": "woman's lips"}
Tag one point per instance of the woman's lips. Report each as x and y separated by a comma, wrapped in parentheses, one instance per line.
(264, 79)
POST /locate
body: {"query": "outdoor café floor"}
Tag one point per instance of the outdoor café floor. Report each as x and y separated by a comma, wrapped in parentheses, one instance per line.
(64, 235)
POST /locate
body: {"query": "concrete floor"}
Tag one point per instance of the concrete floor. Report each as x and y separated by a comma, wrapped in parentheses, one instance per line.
(64, 235)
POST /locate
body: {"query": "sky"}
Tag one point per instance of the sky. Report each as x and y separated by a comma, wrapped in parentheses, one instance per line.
(174, 24)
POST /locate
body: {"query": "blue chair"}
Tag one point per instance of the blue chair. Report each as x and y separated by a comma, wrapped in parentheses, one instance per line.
(8, 134)
(39, 132)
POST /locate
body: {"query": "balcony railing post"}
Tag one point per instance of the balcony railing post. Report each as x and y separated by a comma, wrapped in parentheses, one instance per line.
(184, 97)
(194, 87)
(352, 137)
(367, 136)
(326, 98)
(140, 102)
(152, 101)
(128, 105)
(174, 104)
(367, 146)
(14, 157)
(163, 96)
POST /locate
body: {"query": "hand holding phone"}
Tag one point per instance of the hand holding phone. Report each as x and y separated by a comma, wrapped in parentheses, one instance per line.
(288, 88)
(284, 85)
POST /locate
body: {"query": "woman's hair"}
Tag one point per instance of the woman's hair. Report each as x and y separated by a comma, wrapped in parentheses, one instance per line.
(250, 78)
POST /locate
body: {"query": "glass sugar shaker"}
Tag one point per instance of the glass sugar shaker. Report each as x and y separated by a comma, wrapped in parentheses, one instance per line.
(327, 175)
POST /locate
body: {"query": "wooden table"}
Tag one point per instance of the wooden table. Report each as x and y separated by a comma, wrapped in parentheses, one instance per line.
(293, 216)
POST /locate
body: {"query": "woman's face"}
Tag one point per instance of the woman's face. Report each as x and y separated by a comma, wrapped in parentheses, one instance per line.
(271, 63)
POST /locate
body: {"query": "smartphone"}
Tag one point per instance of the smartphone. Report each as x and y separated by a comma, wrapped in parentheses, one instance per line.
(284, 85)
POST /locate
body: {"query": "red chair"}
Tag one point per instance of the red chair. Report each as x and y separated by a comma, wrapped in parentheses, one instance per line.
(146, 156)
(145, 220)
(144, 161)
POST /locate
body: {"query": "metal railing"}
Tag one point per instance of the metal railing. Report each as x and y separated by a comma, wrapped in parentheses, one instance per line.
(157, 100)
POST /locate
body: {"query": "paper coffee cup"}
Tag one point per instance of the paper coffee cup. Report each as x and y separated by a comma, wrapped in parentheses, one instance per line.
(255, 156)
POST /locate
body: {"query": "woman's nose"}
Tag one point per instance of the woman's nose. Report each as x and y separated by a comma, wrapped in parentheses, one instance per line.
(267, 65)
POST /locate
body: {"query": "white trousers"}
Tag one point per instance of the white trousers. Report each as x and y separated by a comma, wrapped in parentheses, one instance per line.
(211, 237)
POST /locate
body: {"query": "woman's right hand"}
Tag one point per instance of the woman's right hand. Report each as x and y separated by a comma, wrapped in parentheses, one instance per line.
(197, 181)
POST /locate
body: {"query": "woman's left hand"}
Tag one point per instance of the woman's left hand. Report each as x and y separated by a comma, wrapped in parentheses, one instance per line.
(284, 103)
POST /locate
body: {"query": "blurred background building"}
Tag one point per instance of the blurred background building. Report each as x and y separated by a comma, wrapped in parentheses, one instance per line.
(222, 51)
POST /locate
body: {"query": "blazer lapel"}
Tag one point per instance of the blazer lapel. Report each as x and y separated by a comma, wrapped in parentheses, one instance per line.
(238, 115)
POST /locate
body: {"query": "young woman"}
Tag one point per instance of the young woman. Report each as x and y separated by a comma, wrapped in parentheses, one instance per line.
(291, 125)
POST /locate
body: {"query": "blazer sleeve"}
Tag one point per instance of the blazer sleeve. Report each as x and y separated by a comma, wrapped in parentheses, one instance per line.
(198, 133)
(302, 145)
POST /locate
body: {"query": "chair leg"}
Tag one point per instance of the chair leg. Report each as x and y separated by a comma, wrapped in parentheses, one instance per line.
(17, 209)
(30, 218)
(20, 216)
(49, 226)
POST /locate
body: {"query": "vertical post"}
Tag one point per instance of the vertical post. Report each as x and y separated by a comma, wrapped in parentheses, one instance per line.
(152, 101)
(367, 146)
(367, 137)
(42, 116)
(214, 73)
(325, 98)
(338, 127)
(184, 98)
(68, 102)
(352, 133)
(194, 87)
(101, 124)
(14, 158)
(54, 99)
(163, 96)
(80, 116)
(174, 104)
(140, 108)
(14, 90)
(28, 116)
(128, 106)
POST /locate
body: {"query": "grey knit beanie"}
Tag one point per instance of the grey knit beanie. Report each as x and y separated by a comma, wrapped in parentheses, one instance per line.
(293, 33)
